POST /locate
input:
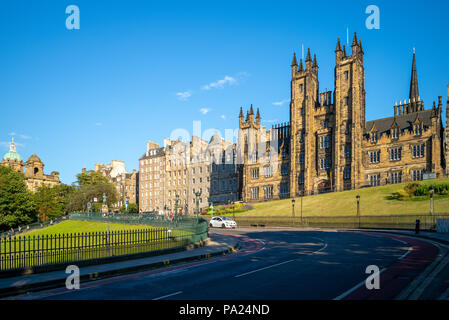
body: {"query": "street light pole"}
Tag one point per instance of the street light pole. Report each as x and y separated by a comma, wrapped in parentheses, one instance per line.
(358, 208)
(293, 208)
(431, 199)
(197, 195)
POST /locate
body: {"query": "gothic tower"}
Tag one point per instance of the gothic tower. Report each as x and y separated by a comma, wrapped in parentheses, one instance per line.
(350, 110)
(304, 99)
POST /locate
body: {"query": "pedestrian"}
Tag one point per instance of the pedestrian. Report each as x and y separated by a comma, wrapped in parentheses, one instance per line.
(20, 228)
(28, 228)
(417, 226)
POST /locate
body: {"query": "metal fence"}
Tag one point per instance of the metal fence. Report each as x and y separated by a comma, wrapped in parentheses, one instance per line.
(22, 229)
(30, 251)
(427, 222)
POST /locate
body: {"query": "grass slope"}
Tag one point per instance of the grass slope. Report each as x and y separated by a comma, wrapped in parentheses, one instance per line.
(373, 201)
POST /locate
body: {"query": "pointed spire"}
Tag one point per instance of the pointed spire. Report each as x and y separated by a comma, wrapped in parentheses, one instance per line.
(414, 92)
(241, 113)
(258, 114)
(344, 51)
(308, 58)
(315, 64)
(294, 62)
(301, 68)
(338, 45)
(251, 111)
(354, 41)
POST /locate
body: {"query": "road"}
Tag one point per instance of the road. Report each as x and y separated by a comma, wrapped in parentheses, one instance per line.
(284, 264)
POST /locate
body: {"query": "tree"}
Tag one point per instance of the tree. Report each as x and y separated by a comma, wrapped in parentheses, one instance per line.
(16, 201)
(90, 186)
(132, 208)
(52, 202)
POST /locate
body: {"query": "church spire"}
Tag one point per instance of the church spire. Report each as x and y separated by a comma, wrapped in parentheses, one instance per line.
(414, 92)
(12, 145)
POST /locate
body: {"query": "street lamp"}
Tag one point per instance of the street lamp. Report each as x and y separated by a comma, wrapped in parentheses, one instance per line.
(431, 199)
(358, 207)
(293, 208)
(197, 195)
(176, 205)
(302, 195)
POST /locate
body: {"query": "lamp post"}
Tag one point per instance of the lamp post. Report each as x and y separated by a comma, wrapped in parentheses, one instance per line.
(358, 208)
(197, 195)
(431, 199)
(176, 205)
(302, 194)
(293, 208)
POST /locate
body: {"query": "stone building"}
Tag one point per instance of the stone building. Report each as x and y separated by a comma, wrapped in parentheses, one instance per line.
(125, 182)
(328, 144)
(224, 186)
(33, 169)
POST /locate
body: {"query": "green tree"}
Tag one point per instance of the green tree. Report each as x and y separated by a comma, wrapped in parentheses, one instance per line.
(16, 201)
(52, 202)
(89, 186)
(132, 207)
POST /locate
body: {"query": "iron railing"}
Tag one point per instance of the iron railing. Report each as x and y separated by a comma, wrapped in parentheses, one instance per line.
(30, 251)
(408, 222)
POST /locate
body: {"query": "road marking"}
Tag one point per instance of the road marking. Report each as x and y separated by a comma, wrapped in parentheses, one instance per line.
(405, 254)
(274, 265)
(325, 246)
(346, 293)
(168, 295)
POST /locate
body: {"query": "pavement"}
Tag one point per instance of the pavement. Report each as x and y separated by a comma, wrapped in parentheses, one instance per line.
(216, 245)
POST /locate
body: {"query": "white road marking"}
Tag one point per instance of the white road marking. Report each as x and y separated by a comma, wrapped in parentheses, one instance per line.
(325, 246)
(346, 293)
(168, 295)
(405, 254)
(274, 265)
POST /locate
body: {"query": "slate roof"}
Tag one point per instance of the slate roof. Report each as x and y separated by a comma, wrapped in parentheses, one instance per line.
(404, 121)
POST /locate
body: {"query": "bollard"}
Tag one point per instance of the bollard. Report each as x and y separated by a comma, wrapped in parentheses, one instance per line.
(417, 227)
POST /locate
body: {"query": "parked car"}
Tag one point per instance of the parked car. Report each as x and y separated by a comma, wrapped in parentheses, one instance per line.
(222, 222)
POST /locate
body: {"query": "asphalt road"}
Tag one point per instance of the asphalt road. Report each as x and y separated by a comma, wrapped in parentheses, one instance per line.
(272, 264)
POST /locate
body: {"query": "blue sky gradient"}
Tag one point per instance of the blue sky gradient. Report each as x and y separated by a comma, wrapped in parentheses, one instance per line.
(80, 97)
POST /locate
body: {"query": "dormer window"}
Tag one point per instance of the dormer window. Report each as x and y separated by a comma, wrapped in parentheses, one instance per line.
(395, 133)
(418, 129)
(373, 137)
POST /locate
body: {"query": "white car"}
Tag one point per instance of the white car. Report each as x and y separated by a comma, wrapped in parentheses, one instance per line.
(222, 222)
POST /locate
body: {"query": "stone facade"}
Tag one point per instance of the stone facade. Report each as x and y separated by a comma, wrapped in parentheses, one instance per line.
(328, 144)
(33, 169)
(125, 182)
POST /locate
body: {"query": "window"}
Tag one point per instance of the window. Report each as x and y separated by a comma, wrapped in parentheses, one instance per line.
(395, 133)
(347, 173)
(268, 171)
(255, 193)
(301, 158)
(347, 151)
(395, 154)
(373, 137)
(284, 190)
(255, 173)
(374, 157)
(284, 169)
(418, 129)
(348, 128)
(301, 178)
(417, 174)
(301, 87)
(325, 163)
(418, 151)
(347, 101)
(268, 192)
(324, 142)
(396, 177)
(326, 124)
(374, 180)
(346, 75)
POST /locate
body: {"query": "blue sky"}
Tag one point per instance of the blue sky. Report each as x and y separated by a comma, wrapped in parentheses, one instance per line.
(136, 70)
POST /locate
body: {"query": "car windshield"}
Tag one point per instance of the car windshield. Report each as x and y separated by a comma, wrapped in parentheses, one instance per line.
(226, 218)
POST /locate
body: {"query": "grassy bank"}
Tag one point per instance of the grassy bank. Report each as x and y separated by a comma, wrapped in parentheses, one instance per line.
(373, 201)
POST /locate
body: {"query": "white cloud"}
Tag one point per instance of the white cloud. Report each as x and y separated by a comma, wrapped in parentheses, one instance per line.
(220, 83)
(23, 136)
(270, 121)
(280, 103)
(223, 117)
(5, 144)
(184, 95)
(12, 133)
(98, 124)
(204, 110)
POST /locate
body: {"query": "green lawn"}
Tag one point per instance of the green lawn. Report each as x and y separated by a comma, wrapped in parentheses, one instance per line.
(373, 201)
(74, 226)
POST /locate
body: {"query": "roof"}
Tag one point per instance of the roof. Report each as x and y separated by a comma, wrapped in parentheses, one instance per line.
(404, 121)
(34, 157)
(153, 153)
(12, 155)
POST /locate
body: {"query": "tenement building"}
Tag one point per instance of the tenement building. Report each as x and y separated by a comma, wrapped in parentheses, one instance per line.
(329, 146)
(32, 169)
(125, 182)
